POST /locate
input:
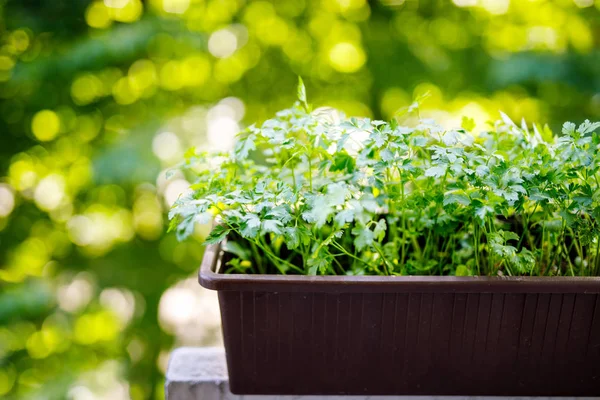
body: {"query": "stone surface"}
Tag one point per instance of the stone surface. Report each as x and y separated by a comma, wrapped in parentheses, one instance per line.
(201, 374)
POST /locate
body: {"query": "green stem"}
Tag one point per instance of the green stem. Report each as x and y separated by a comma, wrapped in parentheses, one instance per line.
(341, 248)
(564, 247)
(403, 222)
(293, 177)
(270, 254)
(597, 259)
(310, 171)
(541, 262)
(476, 240)
(385, 261)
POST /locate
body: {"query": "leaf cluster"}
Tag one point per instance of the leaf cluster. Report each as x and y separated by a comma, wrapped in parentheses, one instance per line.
(313, 192)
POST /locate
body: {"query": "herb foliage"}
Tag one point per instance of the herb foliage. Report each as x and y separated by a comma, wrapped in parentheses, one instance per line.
(311, 192)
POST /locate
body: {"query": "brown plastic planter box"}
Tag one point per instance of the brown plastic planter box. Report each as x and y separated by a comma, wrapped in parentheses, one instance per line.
(408, 335)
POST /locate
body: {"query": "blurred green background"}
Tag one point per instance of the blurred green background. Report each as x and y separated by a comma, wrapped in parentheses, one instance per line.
(99, 98)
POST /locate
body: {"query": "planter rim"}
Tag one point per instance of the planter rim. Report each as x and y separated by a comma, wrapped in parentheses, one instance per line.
(210, 278)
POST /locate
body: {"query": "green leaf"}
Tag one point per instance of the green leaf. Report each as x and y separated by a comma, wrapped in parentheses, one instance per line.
(568, 128)
(508, 235)
(483, 212)
(217, 235)
(462, 270)
(468, 124)
(379, 231)
(302, 92)
(250, 225)
(291, 237)
(507, 119)
(318, 264)
(364, 237)
(342, 162)
(279, 213)
(336, 194)
(450, 138)
(244, 146)
(343, 217)
(456, 198)
(319, 211)
(587, 127)
(238, 249)
(271, 226)
(437, 171)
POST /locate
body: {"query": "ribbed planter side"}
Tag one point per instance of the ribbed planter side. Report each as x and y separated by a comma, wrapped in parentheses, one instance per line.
(405, 341)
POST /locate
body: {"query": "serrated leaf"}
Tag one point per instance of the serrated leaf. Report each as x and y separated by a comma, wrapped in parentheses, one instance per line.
(319, 212)
(217, 235)
(250, 225)
(279, 213)
(343, 162)
(450, 138)
(568, 128)
(483, 212)
(380, 229)
(588, 127)
(364, 237)
(318, 265)
(387, 155)
(437, 171)
(244, 146)
(344, 217)
(291, 237)
(456, 198)
(271, 226)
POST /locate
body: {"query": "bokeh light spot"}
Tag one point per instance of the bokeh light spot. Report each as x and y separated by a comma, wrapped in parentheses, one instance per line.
(6, 63)
(75, 295)
(123, 92)
(45, 125)
(174, 189)
(222, 43)
(19, 39)
(86, 88)
(170, 76)
(7, 200)
(176, 6)
(50, 192)
(124, 10)
(7, 379)
(97, 16)
(166, 146)
(195, 70)
(346, 57)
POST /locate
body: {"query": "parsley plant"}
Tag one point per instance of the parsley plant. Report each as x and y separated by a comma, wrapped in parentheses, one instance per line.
(312, 192)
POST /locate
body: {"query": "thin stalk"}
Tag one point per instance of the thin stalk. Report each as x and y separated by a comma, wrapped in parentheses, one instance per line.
(476, 240)
(491, 270)
(259, 261)
(293, 176)
(341, 248)
(403, 217)
(310, 172)
(597, 258)
(385, 261)
(564, 247)
(541, 263)
(270, 254)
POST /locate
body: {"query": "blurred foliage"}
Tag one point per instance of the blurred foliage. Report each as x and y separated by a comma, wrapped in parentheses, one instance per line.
(98, 98)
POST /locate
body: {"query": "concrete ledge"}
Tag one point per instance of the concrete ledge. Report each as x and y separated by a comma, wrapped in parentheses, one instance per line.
(201, 374)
